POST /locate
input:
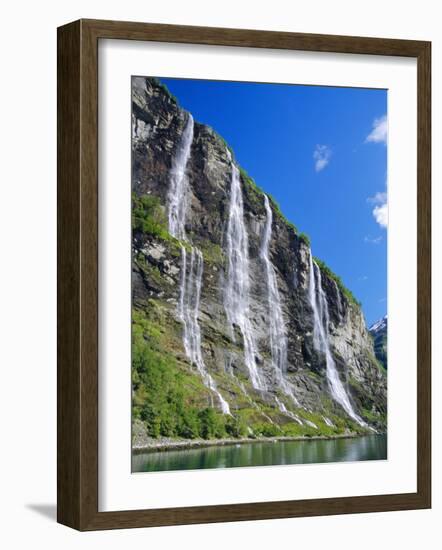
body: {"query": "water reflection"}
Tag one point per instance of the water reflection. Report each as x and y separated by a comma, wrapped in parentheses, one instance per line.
(372, 447)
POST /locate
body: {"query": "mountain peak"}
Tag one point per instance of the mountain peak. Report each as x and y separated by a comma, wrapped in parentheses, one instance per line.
(379, 325)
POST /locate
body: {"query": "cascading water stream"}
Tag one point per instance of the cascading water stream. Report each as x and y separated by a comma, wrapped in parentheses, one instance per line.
(338, 300)
(253, 403)
(318, 302)
(189, 310)
(328, 422)
(192, 271)
(177, 195)
(277, 332)
(237, 287)
(288, 413)
(277, 329)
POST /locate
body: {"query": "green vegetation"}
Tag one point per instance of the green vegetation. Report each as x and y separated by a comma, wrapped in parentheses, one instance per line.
(167, 397)
(305, 238)
(373, 418)
(380, 366)
(347, 293)
(148, 216)
(248, 180)
(152, 271)
(212, 252)
(165, 89)
(281, 215)
(293, 429)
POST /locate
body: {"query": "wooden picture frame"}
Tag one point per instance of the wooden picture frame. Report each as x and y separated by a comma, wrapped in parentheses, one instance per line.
(78, 274)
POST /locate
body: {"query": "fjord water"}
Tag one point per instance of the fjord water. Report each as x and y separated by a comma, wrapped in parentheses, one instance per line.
(370, 447)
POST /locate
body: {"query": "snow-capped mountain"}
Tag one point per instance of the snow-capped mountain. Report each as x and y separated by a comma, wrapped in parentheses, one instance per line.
(380, 325)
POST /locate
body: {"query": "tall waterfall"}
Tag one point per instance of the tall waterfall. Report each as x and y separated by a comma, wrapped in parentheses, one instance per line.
(237, 287)
(277, 329)
(177, 196)
(278, 336)
(318, 302)
(189, 304)
(192, 270)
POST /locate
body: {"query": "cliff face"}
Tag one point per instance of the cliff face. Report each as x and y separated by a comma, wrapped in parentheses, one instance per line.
(379, 333)
(274, 369)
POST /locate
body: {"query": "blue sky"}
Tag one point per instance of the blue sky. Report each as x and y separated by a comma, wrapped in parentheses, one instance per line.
(321, 152)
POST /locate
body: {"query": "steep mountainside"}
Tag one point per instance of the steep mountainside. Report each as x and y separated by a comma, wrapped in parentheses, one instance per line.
(379, 333)
(237, 330)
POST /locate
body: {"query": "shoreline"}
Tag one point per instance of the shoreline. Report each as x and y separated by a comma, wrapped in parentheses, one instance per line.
(155, 446)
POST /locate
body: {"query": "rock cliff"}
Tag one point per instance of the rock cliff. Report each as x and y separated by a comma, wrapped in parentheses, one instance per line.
(232, 317)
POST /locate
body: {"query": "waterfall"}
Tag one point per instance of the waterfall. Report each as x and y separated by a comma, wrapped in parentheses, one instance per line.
(192, 271)
(339, 301)
(318, 302)
(189, 305)
(277, 330)
(254, 403)
(236, 291)
(177, 196)
(328, 422)
(288, 413)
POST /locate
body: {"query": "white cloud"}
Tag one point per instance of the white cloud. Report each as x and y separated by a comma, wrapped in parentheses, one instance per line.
(373, 240)
(379, 133)
(380, 214)
(379, 198)
(321, 156)
(380, 211)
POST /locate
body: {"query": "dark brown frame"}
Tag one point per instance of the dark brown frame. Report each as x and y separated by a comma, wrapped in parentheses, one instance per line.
(78, 269)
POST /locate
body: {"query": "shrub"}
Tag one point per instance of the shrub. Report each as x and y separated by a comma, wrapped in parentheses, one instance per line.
(305, 238)
(212, 424)
(236, 427)
(267, 430)
(149, 217)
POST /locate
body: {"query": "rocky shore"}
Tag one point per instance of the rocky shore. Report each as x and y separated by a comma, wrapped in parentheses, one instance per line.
(166, 444)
